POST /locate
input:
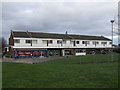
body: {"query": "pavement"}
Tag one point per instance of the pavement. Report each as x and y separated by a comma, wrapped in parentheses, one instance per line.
(28, 60)
(0, 59)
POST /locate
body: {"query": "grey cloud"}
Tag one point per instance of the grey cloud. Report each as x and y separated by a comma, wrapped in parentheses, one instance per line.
(83, 18)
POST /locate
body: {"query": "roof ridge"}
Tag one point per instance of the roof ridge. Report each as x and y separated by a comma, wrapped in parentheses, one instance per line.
(32, 34)
(29, 34)
(57, 33)
(69, 36)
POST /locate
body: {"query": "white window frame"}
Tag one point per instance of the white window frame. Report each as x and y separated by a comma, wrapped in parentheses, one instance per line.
(36, 41)
(27, 42)
(16, 40)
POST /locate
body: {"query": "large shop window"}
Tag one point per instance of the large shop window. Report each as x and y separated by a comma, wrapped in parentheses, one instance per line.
(54, 52)
(69, 52)
(51, 53)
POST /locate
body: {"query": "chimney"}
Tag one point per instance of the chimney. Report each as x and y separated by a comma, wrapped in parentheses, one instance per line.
(66, 32)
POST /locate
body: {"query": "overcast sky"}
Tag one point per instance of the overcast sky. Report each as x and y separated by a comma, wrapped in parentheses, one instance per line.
(89, 18)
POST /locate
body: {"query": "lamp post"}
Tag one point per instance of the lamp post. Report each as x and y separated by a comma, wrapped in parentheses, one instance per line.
(112, 21)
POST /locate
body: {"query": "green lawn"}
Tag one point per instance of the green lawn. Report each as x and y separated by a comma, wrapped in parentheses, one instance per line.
(62, 73)
(86, 59)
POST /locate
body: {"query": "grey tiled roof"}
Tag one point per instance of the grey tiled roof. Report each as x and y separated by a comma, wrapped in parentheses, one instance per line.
(56, 36)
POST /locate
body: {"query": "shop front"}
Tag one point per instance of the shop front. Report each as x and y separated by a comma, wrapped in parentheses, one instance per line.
(18, 53)
(80, 52)
(69, 52)
(91, 51)
(54, 52)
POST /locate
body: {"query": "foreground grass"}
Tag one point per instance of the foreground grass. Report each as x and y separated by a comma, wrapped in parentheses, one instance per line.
(45, 75)
(0, 75)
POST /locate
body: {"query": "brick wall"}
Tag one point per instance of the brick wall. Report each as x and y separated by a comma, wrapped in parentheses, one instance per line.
(11, 43)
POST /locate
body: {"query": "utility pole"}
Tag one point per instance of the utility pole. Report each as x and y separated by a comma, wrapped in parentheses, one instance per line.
(119, 26)
(112, 21)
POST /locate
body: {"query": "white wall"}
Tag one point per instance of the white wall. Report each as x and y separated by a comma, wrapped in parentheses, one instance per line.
(39, 44)
(91, 45)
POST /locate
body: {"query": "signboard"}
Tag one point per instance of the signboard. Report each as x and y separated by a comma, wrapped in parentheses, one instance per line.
(24, 53)
(36, 53)
(30, 53)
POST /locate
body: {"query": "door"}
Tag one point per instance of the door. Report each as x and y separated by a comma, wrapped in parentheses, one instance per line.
(41, 54)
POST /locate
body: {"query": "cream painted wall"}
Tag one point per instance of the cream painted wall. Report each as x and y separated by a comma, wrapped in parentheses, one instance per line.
(39, 44)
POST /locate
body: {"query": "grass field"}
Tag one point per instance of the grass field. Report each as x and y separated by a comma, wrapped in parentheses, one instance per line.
(86, 59)
(63, 73)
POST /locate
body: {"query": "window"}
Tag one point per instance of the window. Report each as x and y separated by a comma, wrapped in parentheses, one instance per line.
(74, 43)
(28, 41)
(86, 42)
(50, 41)
(34, 41)
(51, 53)
(44, 41)
(16, 40)
(83, 42)
(104, 43)
(64, 41)
(58, 41)
(77, 42)
(80, 50)
(71, 42)
(110, 42)
(95, 43)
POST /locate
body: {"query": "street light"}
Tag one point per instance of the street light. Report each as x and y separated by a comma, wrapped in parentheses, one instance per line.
(112, 21)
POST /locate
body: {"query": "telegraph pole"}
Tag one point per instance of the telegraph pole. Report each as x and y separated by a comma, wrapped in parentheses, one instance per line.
(112, 21)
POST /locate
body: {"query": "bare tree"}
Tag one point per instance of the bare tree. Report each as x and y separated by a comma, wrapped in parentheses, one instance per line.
(2, 44)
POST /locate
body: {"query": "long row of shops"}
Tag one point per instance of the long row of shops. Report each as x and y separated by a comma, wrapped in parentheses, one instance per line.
(18, 53)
